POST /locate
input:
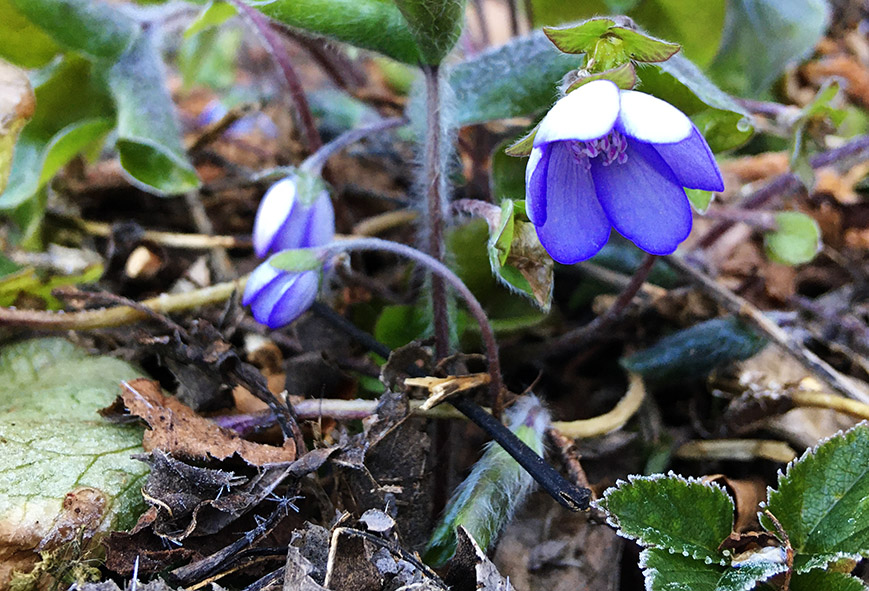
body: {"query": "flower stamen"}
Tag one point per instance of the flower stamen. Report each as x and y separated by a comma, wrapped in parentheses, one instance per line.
(611, 147)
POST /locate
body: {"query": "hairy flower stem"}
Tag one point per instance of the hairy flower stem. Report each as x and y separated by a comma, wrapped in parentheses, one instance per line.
(316, 161)
(432, 175)
(279, 53)
(442, 272)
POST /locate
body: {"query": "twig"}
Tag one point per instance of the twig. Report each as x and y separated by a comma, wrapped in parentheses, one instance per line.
(120, 315)
(379, 224)
(607, 422)
(219, 257)
(581, 335)
(279, 53)
(745, 309)
(566, 493)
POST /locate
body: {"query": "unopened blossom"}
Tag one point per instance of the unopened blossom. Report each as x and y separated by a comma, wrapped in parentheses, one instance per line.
(295, 212)
(609, 158)
(277, 297)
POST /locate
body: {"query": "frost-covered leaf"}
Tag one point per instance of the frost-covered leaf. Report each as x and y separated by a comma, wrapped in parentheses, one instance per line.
(687, 516)
(670, 572)
(796, 240)
(371, 24)
(818, 580)
(56, 452)
(822, 501)
(695, 351)
(762, 38)
(435, 24)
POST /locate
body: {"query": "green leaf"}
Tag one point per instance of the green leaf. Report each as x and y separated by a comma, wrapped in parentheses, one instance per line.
(209, 58)
(822, 501)
(371, 24)
(149, 139)
(507, 174)
(91, 27)
(436, 25)
(23, 43)
(749, 62)
(52, 441)
(818, 110)
(579, 38)
(817, 580)
(70, 106)
(214, 14)
(498, 84)
(670, 572)
(721, 120)
(796, 240)
(695, 351)
(401, 324)
(686, 516)
(699, 199)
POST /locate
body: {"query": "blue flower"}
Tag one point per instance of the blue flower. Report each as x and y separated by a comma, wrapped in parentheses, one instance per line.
(608, 158)
(295, 212)
(276, 297)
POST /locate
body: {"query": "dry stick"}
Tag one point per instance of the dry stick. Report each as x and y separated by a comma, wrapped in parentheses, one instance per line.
(581, 335)
(745, 309)
(432, 175)
(120, 315)
(219, 257)
(279, 53)
(857, 148)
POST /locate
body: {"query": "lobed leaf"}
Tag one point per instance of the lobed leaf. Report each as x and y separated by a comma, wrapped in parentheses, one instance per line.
(822, 500)
(686, 516)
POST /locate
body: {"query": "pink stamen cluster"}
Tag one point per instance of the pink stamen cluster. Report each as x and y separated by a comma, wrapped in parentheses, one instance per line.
(611, 146)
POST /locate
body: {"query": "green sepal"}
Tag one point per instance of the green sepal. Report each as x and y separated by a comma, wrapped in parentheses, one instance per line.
(642, 47)
(587, 37)
(297, 260)
(522, 146)
(699, 199)
(579, 38)
(623, 76)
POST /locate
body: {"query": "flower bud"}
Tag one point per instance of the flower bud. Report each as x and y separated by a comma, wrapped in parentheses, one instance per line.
(276, 297)
(296, 212)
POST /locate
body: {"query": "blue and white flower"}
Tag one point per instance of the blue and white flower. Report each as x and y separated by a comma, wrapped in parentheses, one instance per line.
(296, 212)
(609, 158)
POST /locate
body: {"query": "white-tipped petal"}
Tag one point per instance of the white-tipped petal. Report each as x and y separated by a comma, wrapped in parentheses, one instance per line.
(587, 113)
(649, 119)
(274, 209)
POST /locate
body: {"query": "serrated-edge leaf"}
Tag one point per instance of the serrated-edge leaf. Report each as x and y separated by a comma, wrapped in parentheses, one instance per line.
(819, 580)
(663, 502)
(696, 575)
(810, 499)
(579, 38)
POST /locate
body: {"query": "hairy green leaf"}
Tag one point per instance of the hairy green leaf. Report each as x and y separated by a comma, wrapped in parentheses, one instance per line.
(53, 442)
(149, 138)
(214, 14)
(685, 516)
(796, 240)
(762, 38)
(435, 24)
(695, 351)
(822, 501)
(371, 24)
(91, 27)
(670, 572)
